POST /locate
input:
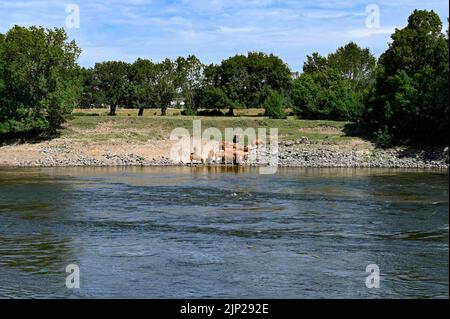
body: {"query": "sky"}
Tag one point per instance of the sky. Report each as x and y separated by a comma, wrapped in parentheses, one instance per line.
(217, 29)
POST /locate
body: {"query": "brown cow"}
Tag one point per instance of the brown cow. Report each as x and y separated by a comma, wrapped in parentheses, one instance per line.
(257, 142)
(233, 156)
(231, 146)
(195, 157)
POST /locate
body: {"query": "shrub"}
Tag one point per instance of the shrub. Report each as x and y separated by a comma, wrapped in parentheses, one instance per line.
(274, 105)
(383, 138)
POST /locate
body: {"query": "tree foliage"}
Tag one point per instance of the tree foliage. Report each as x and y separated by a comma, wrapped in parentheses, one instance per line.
(166, 84)
(333, 87)
(244, 79)
(39, 83)
(354, 63)
(325, 95)
(274, 105)
(143, 84)
(315, 63)
(112, 84)
(190, 74)
(143, 79)
(409, 102)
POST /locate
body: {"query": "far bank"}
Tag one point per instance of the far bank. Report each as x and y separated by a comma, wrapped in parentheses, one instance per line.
(91, 138)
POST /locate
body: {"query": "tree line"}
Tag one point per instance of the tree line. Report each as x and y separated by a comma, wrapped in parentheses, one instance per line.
(402, 97)
(238, 82)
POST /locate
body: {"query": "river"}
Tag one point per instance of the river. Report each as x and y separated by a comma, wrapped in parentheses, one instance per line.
(223, 232)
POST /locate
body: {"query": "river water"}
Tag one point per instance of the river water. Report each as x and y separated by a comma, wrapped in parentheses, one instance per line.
(223, 232)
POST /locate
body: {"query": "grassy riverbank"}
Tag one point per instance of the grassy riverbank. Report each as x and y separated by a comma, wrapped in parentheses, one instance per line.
(94, 125)
(92, 138)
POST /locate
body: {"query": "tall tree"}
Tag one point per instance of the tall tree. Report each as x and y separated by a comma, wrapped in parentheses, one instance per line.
(245, 79)
(409, 102)
(266, 72)
(233, 80)
(166, 84)
(143, 80)
(113, 85)
(190, 80)
(39, 85)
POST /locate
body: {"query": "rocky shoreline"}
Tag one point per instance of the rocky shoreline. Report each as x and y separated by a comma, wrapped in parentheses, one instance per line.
(301, 153)
(291, 156)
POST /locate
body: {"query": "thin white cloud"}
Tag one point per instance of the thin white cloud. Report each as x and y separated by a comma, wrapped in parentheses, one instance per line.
(233, 30)
(367, 32)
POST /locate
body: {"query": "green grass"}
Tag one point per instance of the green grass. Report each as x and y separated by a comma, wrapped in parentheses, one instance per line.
(86, 127)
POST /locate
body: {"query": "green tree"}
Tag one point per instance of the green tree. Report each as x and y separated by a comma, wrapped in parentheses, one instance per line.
(334, 87)
(39, 83)
(112, 84)
(214, 98)
(315, 63)
(265, 72)
(325, 95)
(244, 79)
(88, 97)
(190, 80)
(143, 78)
(233, 81)
(165, 84)
(2, 83)
(354, 63)
(409, 101)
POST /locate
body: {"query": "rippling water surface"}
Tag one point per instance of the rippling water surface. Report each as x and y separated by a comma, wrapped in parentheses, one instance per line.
(216, 232)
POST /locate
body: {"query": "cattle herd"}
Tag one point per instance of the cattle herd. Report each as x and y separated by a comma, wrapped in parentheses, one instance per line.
(226, 153)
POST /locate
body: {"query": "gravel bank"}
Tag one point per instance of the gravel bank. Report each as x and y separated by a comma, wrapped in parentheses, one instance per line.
(301, 153)
(291, 155)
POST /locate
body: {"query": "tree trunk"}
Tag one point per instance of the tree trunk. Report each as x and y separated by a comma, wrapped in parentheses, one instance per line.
(230, 112)
(163, 111)
(112, 111)
(141, 111)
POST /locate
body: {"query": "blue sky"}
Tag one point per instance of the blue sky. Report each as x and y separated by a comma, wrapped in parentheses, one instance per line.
(216, 29)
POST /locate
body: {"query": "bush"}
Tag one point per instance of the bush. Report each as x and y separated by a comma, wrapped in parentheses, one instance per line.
(383, 138)
(274, 105)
